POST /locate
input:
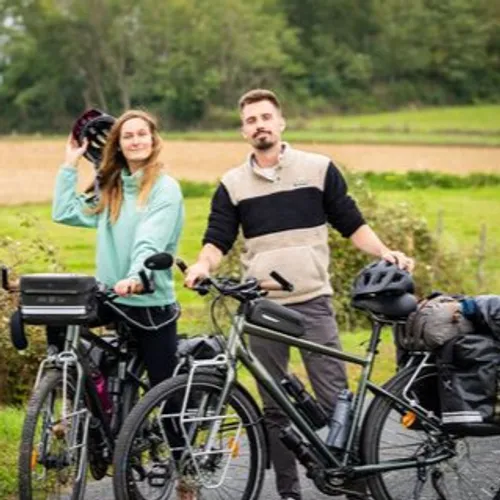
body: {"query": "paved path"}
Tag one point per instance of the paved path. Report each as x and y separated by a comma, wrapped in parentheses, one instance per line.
(102, 490)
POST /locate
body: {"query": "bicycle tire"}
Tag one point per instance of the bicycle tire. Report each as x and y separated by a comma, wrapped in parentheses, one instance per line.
(32, 455)
(254, 452)
(471, 474)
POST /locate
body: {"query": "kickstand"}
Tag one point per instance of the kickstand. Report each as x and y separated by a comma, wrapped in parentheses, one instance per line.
(437, 483)
(421, 478)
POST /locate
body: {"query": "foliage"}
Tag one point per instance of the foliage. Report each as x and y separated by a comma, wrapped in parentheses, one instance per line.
(400, 229)
(189, 60)
(18, 368)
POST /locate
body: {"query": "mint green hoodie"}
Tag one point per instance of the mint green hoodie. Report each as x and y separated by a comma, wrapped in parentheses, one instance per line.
(139, 232)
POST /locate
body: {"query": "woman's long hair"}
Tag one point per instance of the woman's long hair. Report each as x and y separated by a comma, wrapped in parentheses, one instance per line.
(113, 161)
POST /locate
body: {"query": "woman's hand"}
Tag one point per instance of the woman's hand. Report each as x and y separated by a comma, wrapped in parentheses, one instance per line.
(73, 151)
(128, 286)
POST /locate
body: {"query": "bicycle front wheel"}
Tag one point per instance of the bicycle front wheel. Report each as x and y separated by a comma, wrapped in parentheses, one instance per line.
(163, 443)
(472, 473)
(52, 456)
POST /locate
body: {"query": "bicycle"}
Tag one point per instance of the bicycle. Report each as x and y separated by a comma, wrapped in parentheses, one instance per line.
(397, 445)
(75, 412)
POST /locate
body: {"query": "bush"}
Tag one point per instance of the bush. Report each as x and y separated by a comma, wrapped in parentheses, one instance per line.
(400, 229)
(18, 369)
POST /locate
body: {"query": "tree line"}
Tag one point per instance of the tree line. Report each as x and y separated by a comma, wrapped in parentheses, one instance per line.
(189, 60)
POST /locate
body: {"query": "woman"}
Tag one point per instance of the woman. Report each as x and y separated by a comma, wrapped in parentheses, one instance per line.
(139, 212)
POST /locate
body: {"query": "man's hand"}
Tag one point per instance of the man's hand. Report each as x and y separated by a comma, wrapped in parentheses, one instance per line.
(196, 273)
(128, 286)
(400, 259)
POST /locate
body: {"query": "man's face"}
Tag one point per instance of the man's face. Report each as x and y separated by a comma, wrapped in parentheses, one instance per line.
(262, 124)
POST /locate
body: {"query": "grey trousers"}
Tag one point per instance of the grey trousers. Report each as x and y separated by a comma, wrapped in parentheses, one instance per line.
(327, 376)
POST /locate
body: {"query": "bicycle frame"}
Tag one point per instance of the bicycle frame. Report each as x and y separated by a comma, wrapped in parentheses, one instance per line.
(237, 350)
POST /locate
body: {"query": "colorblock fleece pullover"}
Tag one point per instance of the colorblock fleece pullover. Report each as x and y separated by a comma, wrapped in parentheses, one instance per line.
(138, 233)
(284, 221)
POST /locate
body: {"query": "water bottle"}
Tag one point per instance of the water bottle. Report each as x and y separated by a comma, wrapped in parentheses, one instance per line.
(340, 421)
(304, 402)
(101, 385)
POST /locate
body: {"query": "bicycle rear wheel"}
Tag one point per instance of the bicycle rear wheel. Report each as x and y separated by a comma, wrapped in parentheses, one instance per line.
(471, 474)
(150, 454)
(50, 466)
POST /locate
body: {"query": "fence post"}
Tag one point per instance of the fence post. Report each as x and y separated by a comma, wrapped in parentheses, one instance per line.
(481, 254)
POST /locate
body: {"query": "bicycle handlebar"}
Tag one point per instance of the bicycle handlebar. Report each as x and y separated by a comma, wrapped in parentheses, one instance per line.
(242, 291)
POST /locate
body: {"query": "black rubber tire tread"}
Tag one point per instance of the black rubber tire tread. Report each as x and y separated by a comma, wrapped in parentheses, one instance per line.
(153, 398)
(49, 381)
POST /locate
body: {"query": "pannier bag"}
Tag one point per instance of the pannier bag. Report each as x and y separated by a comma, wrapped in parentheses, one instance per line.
(58, 299)
(436, 320)
(468, 367)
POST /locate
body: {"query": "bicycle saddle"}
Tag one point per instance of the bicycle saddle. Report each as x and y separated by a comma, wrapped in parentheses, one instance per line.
(390, 306)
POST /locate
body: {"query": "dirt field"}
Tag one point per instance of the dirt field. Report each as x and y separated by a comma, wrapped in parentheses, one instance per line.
(27, 169)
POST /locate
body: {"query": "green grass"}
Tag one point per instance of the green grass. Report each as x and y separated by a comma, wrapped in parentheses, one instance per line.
(339, 136)
(459, 125)
(461, 213)
(457, 119)
(10, 435)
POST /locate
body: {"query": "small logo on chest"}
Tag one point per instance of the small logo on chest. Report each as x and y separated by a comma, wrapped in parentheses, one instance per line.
(301, 182)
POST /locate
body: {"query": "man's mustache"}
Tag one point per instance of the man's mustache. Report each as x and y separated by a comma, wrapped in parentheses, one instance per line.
(260, 131)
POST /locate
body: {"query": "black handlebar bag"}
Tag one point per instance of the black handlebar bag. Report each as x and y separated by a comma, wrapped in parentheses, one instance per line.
(469, 384)
(58, 299)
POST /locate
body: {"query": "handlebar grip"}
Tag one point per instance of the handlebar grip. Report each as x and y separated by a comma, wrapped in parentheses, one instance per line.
(285, 284)
(181, 265)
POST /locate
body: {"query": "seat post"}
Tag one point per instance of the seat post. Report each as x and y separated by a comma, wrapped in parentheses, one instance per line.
(377, 326)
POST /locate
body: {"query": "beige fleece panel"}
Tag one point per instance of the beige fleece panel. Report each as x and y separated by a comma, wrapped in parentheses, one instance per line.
(297, 169)
(301, 256)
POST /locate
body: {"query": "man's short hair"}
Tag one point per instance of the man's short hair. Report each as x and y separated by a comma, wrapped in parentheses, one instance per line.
(257, 95)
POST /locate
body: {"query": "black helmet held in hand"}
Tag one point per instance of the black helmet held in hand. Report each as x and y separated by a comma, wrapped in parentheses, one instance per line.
(382, 278)
(93, 125)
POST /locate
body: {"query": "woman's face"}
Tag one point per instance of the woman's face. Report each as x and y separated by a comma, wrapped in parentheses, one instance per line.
(136, 140)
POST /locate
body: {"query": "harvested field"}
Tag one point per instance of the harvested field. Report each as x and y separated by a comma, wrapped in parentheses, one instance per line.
(28, 168)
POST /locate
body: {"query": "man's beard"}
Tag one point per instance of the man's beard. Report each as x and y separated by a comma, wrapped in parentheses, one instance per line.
(263, 143)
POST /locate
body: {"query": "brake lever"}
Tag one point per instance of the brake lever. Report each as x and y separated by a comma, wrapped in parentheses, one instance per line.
(181, 265)
(148, 285)
(203, 286)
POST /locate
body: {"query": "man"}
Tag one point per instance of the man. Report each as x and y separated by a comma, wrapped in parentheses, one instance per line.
(282, 198)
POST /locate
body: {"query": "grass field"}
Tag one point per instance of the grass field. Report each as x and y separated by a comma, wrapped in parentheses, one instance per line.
(462, 215)
(480, 120)
(458, 125)
(354, 135)
(465, 125)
